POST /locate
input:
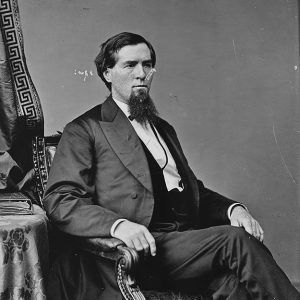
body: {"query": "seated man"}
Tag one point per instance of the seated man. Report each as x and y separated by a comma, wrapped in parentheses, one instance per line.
(119, 171)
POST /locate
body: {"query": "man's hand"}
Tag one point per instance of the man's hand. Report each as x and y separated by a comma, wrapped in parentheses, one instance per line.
(136, 236)
(241, 218)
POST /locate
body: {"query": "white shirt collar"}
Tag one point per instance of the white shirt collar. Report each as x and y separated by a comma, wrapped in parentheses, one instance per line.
(124, 107)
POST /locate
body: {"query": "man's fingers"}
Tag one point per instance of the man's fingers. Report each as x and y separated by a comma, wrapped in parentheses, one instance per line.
(261, 232)
(137, 245)
(253, 228)
(248, 227)
(145, 245)
(257, 230)
(254, 231)
(241, 218)
(129, 243)
(257, 233)
(136, 236)
(235, 223)
(145, 242)
(151, 242)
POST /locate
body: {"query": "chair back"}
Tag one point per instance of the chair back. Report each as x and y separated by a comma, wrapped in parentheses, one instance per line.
(43, 150)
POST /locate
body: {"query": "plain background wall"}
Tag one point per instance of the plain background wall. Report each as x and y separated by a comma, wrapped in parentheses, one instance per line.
(227, 79)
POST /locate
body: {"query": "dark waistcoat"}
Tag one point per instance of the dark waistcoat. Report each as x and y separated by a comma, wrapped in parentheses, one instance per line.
(170, 207)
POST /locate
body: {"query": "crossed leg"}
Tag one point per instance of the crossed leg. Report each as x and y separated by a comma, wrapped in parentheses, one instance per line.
(202, 255)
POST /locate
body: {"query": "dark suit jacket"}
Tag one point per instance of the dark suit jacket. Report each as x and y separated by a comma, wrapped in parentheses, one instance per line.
(100, 174)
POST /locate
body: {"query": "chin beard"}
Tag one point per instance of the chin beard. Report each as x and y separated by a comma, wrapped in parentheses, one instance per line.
(142, 108)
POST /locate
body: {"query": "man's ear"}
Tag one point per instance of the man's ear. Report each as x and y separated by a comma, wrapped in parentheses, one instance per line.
(107, 74)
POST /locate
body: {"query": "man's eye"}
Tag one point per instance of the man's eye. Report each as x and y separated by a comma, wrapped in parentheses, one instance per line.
(129, 66)
(148, 66)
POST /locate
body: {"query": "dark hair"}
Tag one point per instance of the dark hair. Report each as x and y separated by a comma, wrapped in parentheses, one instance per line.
(106, 57)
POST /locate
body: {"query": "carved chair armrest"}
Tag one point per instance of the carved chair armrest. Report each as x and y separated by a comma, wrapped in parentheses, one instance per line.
(126, 261)
(100, 245)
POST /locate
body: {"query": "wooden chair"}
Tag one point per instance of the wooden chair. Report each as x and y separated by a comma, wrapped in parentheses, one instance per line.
(126, 259)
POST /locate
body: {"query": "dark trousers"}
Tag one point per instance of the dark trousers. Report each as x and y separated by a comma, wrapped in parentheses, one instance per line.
(222, 262)
(225, 260)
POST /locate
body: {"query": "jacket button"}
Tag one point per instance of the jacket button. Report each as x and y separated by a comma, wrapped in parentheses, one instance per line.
(134, 195)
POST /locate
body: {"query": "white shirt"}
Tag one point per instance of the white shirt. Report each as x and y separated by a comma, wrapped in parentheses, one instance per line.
(158, 148)
(156, 145)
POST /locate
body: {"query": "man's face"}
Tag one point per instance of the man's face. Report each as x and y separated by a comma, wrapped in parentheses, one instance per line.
(128, 76)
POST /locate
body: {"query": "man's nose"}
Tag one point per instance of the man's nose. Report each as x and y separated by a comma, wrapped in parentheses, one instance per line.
(140, 72)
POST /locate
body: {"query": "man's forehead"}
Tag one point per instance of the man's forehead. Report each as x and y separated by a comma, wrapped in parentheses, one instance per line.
(134, 52)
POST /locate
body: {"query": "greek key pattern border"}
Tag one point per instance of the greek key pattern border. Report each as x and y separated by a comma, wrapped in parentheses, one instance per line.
(28, 102)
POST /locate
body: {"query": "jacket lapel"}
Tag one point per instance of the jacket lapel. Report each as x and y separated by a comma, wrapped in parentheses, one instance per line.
(173, 144)
(125, 142)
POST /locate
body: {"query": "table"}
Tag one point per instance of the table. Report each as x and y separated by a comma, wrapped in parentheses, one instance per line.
(24, 256)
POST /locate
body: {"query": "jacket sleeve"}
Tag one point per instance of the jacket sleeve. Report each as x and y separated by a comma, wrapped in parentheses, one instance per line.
(69, 194)
(213, 207)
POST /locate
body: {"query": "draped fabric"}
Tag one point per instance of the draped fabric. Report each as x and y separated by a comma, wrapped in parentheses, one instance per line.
(24, 256)
(21, 116)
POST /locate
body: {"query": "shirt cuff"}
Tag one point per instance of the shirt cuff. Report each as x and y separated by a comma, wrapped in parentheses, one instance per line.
(232, 206)
(113, 227)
